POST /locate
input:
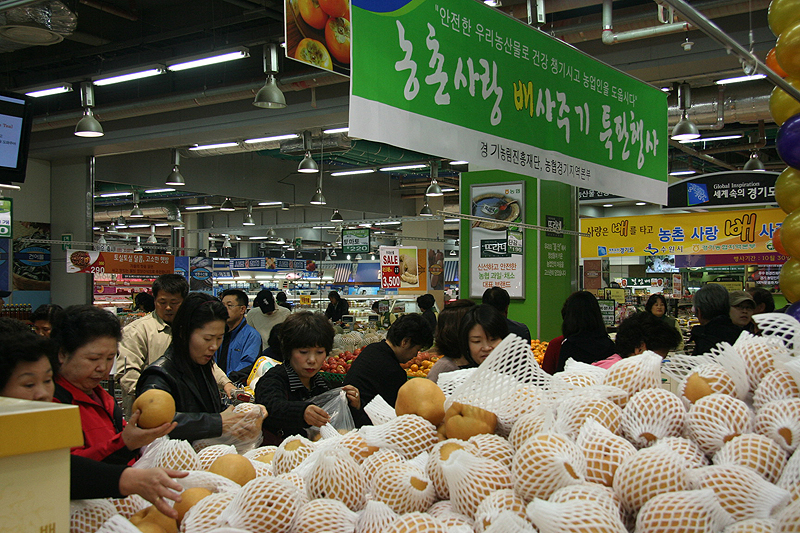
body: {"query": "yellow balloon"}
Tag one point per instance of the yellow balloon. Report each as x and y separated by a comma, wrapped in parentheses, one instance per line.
(789, 280)
(787, 190)
(787, 50)
(790, 234)
(782, 106)
(782, 14)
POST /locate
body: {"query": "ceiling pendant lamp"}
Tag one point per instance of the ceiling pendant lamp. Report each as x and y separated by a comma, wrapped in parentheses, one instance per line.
(138, 244)
(152, 238)
(248, 218)
(685, 129)
(336, 216)
(318, 198)
(434, 189)
(227, 205)
(307, 165)
(212, 245)
(426, 210)
(88, 126)
(271, 232)
(270, 96)
(175, 177)
(136, 212)
(754, 163)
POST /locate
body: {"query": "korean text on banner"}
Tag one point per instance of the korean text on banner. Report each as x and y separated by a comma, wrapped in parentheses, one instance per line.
(86, 262)
(461, 80)
(729, 232)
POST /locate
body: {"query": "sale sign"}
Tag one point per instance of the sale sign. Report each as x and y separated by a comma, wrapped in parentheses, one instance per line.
(390, 267)
(85, 262)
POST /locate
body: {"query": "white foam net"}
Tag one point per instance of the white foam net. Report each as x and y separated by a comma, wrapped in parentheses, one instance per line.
(471, 479)
(529, 424)
(494, 447)
(777, 385)
(545, 463)
(379, 411)
(375, 518)
(705, 379)
(129, 505)
(118, 524)
(204, 516)
(591, 492)
(687, 449)
(264, 505)
(262, 452)
(790, 478)
(208, 480)
(334, 474)
(297, 480)
(574, 409)
(433, 468)
(325, 515)
(632, 374)
(604, 452)
(690, 511)
(497, 503)
(648, 473)
(416, 522)
(717, 418)
(757, 452)
(290, 453)
(450, 381)
(355, 445)
(409, 435)
(209, 454)
(403, 487)
(587, 374)
(759, 354)
(789, 519)
(178, 455)
(780, 421)
(741, 492)
(652, 414)
(753, 525)
(574, 516)
(375, 461)
(779, 326)
(507, 522)
(86, 516)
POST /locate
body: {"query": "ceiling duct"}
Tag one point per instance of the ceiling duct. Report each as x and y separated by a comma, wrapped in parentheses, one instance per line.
(167, 210)
(35, 24)
(745, 103)
(329, 143)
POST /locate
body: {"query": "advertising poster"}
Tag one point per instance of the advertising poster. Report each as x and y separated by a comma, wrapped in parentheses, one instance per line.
(182, 266)
(497, 258)
(85, 262)
(31, 269)
(390, 267)
(728, 232)
(412, 268)
(462, 80)
(729, 189)
(5, 218)
(435, 269)
(677, 286)
(318, 33)
(200, 274)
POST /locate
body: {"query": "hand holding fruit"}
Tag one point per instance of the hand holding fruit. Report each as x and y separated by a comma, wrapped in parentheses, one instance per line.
(353, 397)
(154, 485)
(230, 421)
(135, 437)
(316, 416)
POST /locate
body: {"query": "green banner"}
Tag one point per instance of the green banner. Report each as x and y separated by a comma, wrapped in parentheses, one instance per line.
(355, 241)
(457, 79)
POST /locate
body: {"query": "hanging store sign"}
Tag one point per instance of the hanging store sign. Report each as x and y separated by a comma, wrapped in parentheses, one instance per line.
(151, 265)
(201, 274)
(318, 34)
(689, 261)
(355, 241)
(390, 267)
(5, 218)
(461, 80)
(729, 189)
(729, 232)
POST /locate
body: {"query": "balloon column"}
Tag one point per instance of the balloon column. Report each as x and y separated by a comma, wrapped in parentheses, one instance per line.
(784, 59)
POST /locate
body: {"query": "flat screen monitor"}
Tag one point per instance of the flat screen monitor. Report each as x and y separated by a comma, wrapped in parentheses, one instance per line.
(16, 118)
(659, 264)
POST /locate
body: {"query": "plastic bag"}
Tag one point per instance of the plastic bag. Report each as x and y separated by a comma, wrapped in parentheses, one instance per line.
(260, 368)
(249, 425)
(333, 402)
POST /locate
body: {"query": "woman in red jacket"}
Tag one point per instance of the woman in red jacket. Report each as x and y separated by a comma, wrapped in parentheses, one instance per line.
(87, 340)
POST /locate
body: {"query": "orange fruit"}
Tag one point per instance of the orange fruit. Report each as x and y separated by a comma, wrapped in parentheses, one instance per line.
(157, 407)
(189, 497)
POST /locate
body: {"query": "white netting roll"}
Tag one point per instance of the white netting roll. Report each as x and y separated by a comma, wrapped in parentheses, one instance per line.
(529, 424)
(178, 455)
(333, 474)
(403, 487)
(575, 516)
(208, 480)
(591, 492)
(545, 463)
(118, 524)
(471, 479)
(604, 452)
(789, 519)
(416, 522)
(777, 385)
(379, 411)
(574, 409)
(757, 452)
(687, 449)
(375, 518)
(205, 515)
(290, 453)
(741, 492)
(264, 505)
(715, 419)
(753, 525)
(779, 326)
(635, 373)
(689, 511)
(86, 516)
(500, 501)
(790, 478)
(129, 505)
(648, 473)
(439, 454)
(780, 421)
(209, 454)
(408, 435)
(652, 414)
(326, 515)
(355, 445)
(493, 447)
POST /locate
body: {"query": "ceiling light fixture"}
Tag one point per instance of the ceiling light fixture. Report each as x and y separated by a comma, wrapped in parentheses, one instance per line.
(331, 131)
(353, 172)
(120, 221)
(685, 172)
(415, 166)
(715, 138)
(212, 146)
(608, 205)
(271, 232)
(138, 244)
(358, 257)
(685, 129)
(448, 189)
(208, 59)
(271, 203)
(270, 96)
(227, 242)
(197, 207)
(129, 75)
(38, 92)
(227, 205)
(641, 203)
(336, 216)
(426, 210)
(433, 188)
(114, 194)
(318, 198)
(136, 212)
(740, 79)
(101, 240)
(152, 238)
(248, 218)
(156, 191)
(175, 178)
(459, 163)
(273, 138)
(88, 126)
(307, 165)
(754, 163)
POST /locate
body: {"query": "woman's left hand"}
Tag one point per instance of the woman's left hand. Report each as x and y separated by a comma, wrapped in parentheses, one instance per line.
(353, 397)
(135, 437)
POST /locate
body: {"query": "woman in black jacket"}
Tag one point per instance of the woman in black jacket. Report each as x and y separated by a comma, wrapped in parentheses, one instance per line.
(337, 307)
(585, 337)
(184, 371)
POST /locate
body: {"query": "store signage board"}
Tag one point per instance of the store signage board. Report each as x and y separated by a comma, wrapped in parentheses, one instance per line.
(728, 232)
(201, 274)
(309, 41)
(91, 262)
(608, 310)
(689, 261)
(355, 241)
(677, 286)
(499, 260)
(6, 210)
(461, 80)
(728, 189)
(390, 267)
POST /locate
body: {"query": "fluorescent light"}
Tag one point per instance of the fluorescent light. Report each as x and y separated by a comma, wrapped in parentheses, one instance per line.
(353, 172)
(132, 226)
(270, 203)
(258, 238)
(451, 220)
(641, 203)
(717, 138)
(129, 76)
(682, 172)
(740, 79)
(459, 162)
(389, 223)
(154, 191)
(47, 91)
(448, 189)
(364, 225)
(120, 226)
(337, 130)
(114, 194)
(323, 227)
(161, 224)
(201, 61)
(199, 206)
(403, 167)
(666, 89)
(213, 146)
(9, 186)
(608, 205)
(273, 138)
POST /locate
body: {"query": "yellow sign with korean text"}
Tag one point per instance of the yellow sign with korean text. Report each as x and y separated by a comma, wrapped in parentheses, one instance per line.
(723, 232)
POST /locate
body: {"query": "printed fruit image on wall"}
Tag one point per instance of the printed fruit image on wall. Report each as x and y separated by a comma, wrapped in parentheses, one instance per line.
(312, 14)
(337, 37)
(318, 33)
(314, 52)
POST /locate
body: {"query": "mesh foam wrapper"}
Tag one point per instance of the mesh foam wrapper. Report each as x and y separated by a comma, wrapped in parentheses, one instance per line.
(433, 468)
(379, 411)
(687, 449)
(652, 414)
(741, 492)
(375, 518)
(506, 522)
(493, 447)
(151, 453)
(86, 516)
(779, 326)
(297, 480)
(471, 479)
(500, 501)
(575, 409)
(648, 473)
(713, 379)
(545, 463)
(495, 384)
(409, 435)
(734, 361)
(264, 505)
(403, 487)
(789, 519)
(416, 522)
(262, 452)
(529, 424)
(777, 385)
(450, 381)
(756, 452)
(689, 511)
(790, 478)
(588, 374)
(118, 524)
(209, 454)
(208, 480)
(715, 419)
(356, 446)
(632, 374)
(204, 516)
(526, 398)
(286, 458)
(753, 525)
(178, 455)
(334, 474)
(228, 530)
(326, 515)
(759, 354)
(575, 516)
(129, 505)
(375, 461)
(591, 492)
(604, 452)
(780, 421)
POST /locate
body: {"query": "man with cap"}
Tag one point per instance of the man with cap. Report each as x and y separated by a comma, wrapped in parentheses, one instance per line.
(743, 307)
(265, 315)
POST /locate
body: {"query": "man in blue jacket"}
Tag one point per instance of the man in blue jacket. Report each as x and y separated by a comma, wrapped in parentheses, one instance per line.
(241, 345)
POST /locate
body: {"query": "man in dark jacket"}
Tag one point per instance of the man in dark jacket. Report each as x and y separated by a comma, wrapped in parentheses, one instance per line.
(712, 307)
(498, 298)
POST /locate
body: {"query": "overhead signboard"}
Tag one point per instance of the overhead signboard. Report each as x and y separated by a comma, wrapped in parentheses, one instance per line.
(460, 80)
(318, 33)
(728, 189)
(355, 241)
(90, 262)
(728, 232)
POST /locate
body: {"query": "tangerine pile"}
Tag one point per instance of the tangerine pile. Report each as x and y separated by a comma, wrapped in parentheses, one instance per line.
(419, 366)
(539, 347)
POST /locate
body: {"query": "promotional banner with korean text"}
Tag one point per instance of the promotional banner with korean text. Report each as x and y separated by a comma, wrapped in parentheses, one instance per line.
(461, 80)
(728, 232)
(89, 262)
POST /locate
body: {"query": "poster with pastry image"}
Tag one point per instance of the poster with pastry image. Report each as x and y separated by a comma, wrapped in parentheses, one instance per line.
(413, 269)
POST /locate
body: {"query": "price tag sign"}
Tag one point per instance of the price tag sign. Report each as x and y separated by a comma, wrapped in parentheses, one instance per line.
(305, 299)
(355, 241)
(390, 267)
